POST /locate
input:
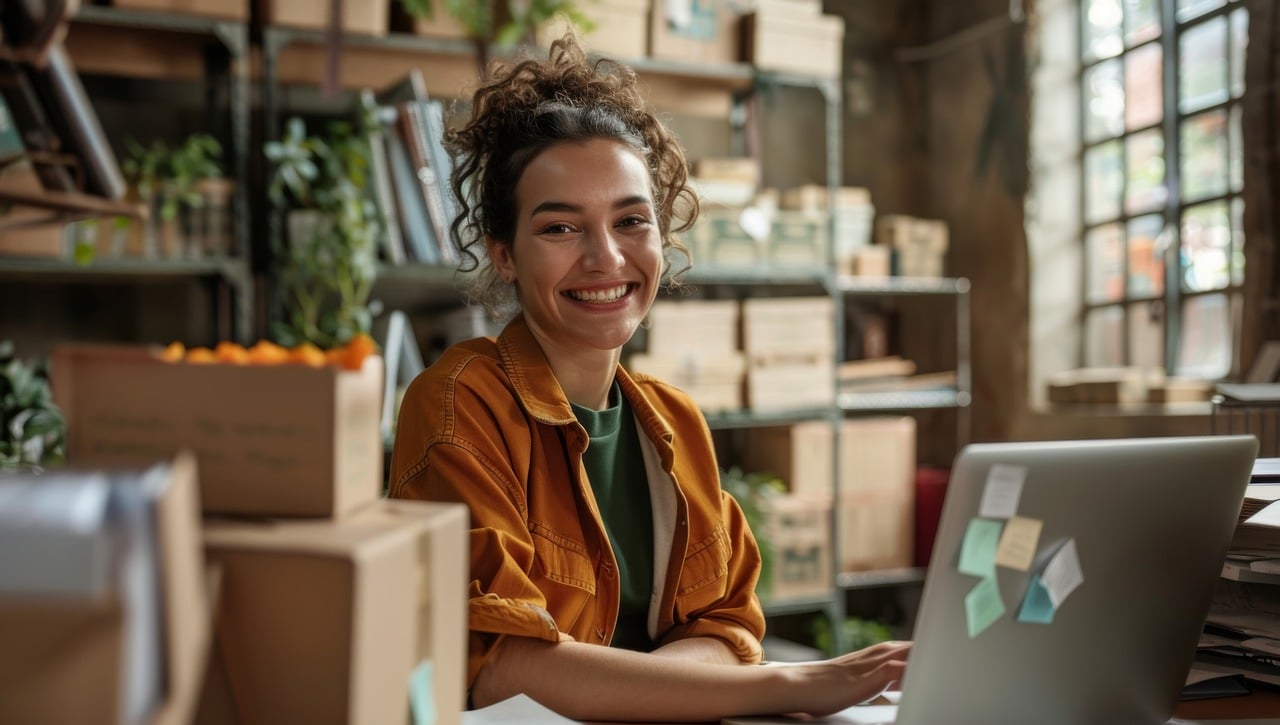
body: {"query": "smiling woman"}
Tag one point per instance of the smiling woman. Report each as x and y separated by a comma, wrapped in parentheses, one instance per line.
(607, 566)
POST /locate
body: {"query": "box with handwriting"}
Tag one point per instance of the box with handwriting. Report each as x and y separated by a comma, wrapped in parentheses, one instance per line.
(287, 440)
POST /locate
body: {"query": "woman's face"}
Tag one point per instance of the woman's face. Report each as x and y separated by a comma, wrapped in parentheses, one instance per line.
(586, 255)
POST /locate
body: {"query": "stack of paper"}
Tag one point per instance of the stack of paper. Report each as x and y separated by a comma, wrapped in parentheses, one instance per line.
(1242, 632)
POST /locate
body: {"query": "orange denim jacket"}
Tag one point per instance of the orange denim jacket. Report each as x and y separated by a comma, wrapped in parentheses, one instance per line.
(488, 425)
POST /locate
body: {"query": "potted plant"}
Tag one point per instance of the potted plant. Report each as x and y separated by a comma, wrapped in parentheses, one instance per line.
(327, 259)
(33, 432)
(173, 183)
(750, 490)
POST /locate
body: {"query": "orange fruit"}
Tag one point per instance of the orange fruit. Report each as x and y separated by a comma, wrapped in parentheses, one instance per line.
(201, 356)
(173, 352)
(307, 354)
(357, 349)
(231, 352)
(265, 352)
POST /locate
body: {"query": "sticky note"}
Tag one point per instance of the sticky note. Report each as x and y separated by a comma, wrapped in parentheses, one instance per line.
(1002, 491)
(1063, 574)
(983, 606)
(1037, 607)
(978, 550)
(422, 699)
(1018, 543)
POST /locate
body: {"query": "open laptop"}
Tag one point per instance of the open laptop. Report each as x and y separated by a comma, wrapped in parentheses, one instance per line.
(1102, 625)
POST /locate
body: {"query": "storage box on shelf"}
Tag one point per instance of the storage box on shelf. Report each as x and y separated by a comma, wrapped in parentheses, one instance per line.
(226, 9)
(270, 440)
(364, 18)
(706, 32)
(693, 344)
(619, 28)
(919, 245)
(793, 36)
(790, 352)
(327, 621)
(852, 220)
(798, 529)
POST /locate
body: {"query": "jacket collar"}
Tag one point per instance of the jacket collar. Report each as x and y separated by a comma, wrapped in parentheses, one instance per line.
(530, 374)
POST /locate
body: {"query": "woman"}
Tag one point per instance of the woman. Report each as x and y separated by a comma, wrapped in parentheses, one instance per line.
(596, 513)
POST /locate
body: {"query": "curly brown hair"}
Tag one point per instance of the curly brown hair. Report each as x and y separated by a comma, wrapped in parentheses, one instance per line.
(527, 108)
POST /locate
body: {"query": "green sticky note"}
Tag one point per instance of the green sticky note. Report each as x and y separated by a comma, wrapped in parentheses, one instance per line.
(978, 550)
(1037, 606)
(422, 699)
(983, 606)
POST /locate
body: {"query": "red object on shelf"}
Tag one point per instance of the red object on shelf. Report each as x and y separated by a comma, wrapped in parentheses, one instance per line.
(931, 490)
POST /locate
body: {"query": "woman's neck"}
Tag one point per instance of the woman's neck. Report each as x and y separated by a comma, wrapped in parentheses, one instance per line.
(584, 376)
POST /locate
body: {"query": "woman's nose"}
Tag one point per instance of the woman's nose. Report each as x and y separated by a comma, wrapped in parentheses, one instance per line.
(602, 253)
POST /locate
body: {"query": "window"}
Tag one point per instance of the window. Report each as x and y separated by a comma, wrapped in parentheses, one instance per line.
(1160, 84)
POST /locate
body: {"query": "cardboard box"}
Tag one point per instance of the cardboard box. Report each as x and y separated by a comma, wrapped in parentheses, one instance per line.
(798, 530)
(694, 31)
(812, 197)
(61, 659)
(800, 239)
(363, 18)
(698, 329)
(714, 382)
(270, 440)
(718, 239)
(791, 385)
(877, 456)
(228, 9)
(871, 261)
(800, 454)
(876, 533)
(324, 622)
(440, 25)
(790, 43)
(788, 328)
(619, 31)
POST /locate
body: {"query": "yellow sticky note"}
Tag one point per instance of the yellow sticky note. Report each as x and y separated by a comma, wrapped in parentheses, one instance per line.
(1018, 543)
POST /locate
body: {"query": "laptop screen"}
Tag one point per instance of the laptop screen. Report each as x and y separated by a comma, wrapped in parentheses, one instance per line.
(1070, 580)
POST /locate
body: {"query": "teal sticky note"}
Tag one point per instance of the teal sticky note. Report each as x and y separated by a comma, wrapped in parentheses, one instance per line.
(978, 550)
(422, 698)
(983, 606)
(1037, 606)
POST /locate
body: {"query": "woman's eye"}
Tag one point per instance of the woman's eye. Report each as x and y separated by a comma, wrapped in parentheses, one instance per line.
(632, 221)
(557, 229)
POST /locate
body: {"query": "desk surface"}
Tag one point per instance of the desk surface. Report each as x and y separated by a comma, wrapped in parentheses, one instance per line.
(1260, 704)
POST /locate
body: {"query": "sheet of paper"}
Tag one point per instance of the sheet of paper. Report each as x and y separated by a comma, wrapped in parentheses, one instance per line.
(978, 550)
(983, 606)
(1018, 543)
(519, 709)
(1002, 492)
(1063, 573)
(422, 697)
(1269, 516)
(1037, 607)
(856, 715)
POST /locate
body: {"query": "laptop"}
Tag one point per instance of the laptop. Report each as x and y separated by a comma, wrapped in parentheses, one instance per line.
(1070, 581)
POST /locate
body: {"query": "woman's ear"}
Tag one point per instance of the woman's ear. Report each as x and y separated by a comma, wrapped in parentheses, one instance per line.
(501, 259)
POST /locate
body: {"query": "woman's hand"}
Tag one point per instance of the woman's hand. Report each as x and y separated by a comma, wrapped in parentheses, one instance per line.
(829, 686)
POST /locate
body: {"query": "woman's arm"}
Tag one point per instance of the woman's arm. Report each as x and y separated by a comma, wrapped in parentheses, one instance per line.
(711, 650)
(591, 682)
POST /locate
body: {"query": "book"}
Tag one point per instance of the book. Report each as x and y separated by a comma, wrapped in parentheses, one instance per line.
(403, 361)
(415, 222)
(413, 130)
(392, 241)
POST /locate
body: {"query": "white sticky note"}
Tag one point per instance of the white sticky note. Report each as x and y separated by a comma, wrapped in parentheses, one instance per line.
(1269, 516)
(1017, 547)
(1063, 573)
(1002, 492)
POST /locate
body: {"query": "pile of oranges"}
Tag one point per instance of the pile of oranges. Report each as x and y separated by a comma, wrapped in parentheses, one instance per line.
(350, 356)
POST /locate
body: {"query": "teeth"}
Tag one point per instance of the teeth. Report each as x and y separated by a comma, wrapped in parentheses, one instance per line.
(603, 295)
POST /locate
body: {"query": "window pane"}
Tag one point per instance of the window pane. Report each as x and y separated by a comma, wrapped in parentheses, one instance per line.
(1188, 9)
(1206, 247)
(1204, 155)
(1145, 189)
(1237, 242)
(1104, 101)
(1239, 42)
(1202, 65)
(1104, 259)
(1141, 21)
(1102, 20)
(1146, 256)
(1146, 335)
(1143, 92)
(1204, 349)
(1104, 181)
(1235, 158)
(1103, 337)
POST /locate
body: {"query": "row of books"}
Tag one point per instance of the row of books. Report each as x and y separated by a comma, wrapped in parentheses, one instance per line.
(410, 173)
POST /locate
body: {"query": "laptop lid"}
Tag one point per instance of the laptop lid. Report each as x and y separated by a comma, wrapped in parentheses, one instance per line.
(1122, 542)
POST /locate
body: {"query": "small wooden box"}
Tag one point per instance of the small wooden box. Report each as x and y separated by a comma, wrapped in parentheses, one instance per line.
(798, 529)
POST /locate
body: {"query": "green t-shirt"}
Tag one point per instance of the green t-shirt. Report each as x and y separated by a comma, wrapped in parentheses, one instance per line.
(615, 469)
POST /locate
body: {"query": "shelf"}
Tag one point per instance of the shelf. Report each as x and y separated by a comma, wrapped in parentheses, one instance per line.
(233, 270)
(903, 400)
(879, 286)
(155, 20)
(753, 419)
(797, 605)
(882, 578)
(419, 287)
(752, 276)
(153, 45)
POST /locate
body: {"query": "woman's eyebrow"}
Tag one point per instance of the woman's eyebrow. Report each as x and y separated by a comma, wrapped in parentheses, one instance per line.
(564, 206)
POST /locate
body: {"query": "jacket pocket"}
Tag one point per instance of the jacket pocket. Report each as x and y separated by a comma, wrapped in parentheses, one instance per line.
(704, 576)
(563, 560)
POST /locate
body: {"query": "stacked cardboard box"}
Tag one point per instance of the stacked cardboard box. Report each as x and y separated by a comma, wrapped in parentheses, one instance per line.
(693, 344)
(229, 9)
(852, 217)
(331, 599)
(919, 245)
(798, 531)
(618, 28)
(694, 31)
(790, 352)
(793, 36)
(877, 481)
